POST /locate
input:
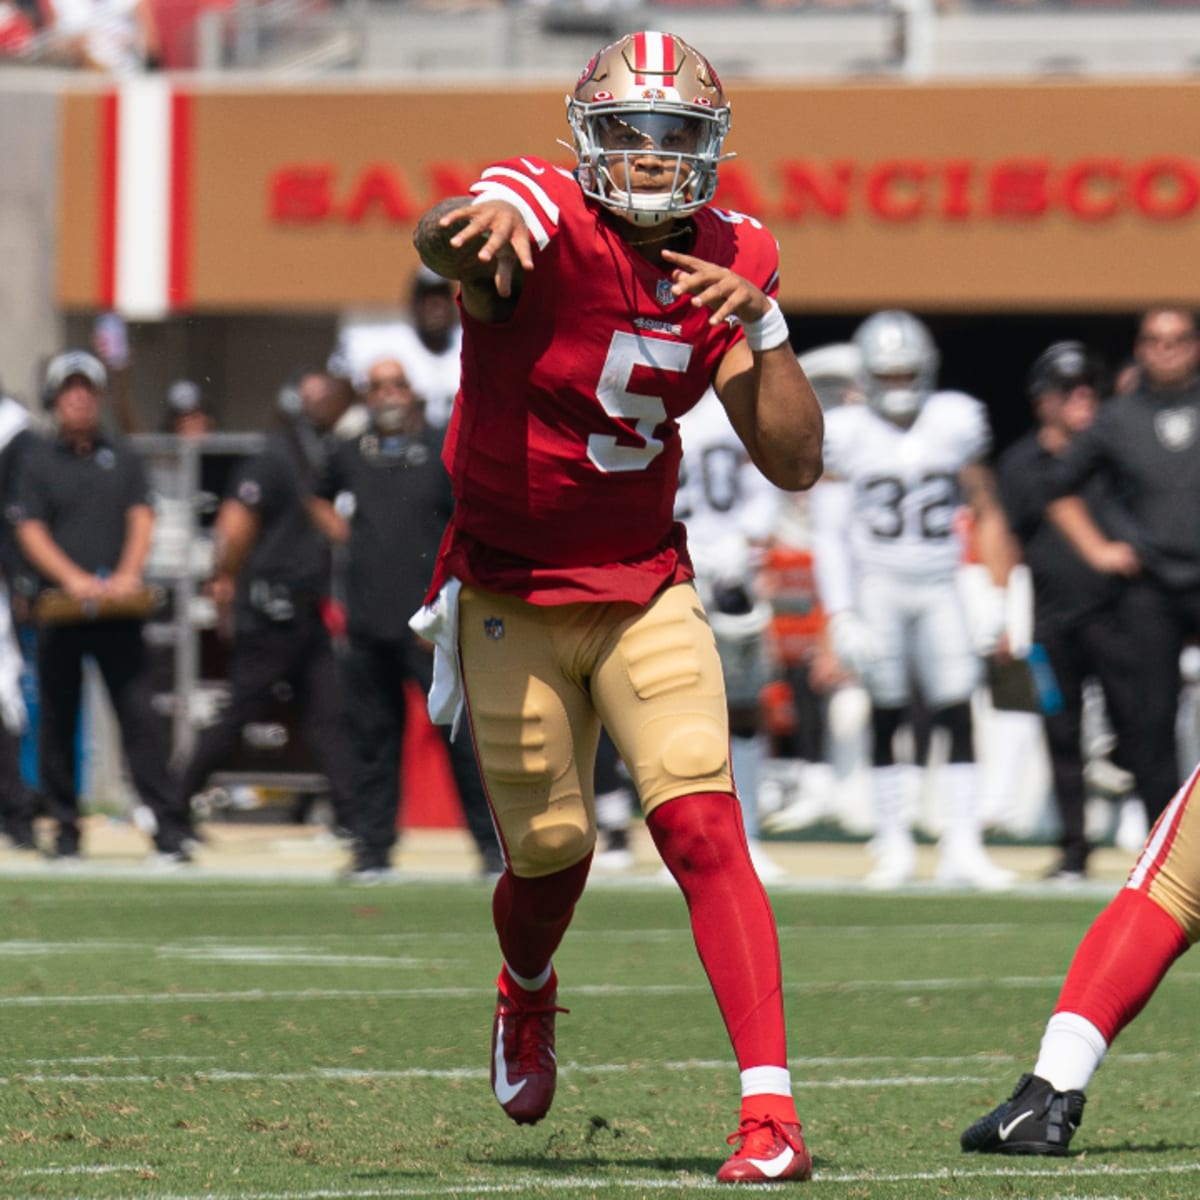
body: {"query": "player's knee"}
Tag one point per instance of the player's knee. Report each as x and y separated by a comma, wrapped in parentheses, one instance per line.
(1184, 907)
(702, 831)
(551, 847)
(956, 720)
(694, 751)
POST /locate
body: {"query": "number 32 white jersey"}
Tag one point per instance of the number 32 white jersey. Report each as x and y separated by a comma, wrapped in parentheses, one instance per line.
(906, 480)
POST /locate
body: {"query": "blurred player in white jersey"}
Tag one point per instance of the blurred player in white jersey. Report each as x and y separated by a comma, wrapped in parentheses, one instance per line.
(731, 511)
(427, 343)
(887, 559)
(831, 782)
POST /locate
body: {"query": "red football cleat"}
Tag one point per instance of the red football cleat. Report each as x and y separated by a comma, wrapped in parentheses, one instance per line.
(524, 1070)
(771, 1152)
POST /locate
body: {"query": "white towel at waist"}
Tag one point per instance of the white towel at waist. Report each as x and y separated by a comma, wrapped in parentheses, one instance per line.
(438, 623)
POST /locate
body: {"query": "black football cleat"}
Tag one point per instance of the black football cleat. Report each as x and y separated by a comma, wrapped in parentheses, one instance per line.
(1035, 1119)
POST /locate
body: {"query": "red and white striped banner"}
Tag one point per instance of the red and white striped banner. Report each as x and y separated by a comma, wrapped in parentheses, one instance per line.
(145, 199)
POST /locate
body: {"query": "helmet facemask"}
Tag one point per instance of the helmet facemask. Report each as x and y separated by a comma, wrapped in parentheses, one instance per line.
(649, 95)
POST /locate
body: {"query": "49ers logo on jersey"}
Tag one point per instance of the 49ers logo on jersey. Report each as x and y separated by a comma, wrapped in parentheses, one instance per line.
(1176, 427)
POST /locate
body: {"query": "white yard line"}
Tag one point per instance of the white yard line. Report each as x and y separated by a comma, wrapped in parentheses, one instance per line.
(311, 942)
(216, 1074)
(267, 995)
(1068, 1172)
(222, 1076)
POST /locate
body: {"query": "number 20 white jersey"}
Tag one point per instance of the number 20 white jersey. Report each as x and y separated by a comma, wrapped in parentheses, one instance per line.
(905, 480)
(722, 495)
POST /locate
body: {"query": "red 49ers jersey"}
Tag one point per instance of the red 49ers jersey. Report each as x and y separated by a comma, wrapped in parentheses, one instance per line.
(563, 446)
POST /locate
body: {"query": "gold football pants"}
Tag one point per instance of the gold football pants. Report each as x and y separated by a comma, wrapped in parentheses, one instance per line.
(541, 679)
(1168, 868)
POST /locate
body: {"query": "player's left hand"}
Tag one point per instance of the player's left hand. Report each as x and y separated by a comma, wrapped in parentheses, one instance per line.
(717, 288)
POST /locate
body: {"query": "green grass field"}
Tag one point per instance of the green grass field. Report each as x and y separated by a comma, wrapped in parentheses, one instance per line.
(269, 1041)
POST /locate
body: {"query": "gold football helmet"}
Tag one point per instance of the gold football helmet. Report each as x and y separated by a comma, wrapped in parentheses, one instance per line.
(649, 94)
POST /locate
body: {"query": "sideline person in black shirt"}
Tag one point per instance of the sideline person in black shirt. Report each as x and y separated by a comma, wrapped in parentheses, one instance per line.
(84, 522)
(1075, 620)
(1148, 444)
(401, 502)
(271, 576)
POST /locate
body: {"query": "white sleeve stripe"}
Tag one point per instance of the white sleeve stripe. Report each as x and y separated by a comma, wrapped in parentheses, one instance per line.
(494, 191)
(539, 194)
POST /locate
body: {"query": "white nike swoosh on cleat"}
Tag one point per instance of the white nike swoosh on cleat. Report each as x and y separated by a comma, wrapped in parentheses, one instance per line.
(1004, 1130)
(771, 1167)
(504, 1090)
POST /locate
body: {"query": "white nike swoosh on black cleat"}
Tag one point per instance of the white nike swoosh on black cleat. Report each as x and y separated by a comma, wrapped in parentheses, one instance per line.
(1005, 1128)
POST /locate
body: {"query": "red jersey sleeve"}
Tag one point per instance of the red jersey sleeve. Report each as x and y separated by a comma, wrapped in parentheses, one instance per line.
(529, 184)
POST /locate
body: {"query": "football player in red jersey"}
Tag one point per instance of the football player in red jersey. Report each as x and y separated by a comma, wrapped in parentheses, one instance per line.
(1115, 970)
(597, 307)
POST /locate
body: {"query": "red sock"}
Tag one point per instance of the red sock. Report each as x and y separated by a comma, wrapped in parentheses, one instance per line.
(1123, 957)
(701, 840)
(531, 915)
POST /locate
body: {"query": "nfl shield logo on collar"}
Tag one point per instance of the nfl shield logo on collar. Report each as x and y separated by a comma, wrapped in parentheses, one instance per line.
(493, 627)
(663, 293)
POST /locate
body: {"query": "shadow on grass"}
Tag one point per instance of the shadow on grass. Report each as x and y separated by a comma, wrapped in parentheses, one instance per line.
(558, 1167)
(573, 1164)
(1114, 1148)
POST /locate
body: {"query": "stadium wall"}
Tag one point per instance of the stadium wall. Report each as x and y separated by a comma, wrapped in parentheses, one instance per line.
(942, 196)
(175, 198)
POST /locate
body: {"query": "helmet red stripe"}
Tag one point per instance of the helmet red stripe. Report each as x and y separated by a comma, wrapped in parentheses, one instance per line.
(654, 58)
(639, 57)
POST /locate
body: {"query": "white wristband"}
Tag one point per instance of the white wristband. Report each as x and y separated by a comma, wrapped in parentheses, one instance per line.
(769, 331)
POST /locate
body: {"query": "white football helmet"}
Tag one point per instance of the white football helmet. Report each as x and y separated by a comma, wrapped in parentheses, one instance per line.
(835, 372)
(900, 363)
(649, 93)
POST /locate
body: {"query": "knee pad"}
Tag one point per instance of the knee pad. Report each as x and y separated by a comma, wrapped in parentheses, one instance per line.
(542, 848)
(662, 698)
(884, 724)
(693, 751)
(956, 720)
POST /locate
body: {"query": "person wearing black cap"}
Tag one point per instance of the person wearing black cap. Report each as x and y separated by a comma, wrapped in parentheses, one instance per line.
(1148, 444)
(84, 521)
(1076, 615)
(187, 413)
